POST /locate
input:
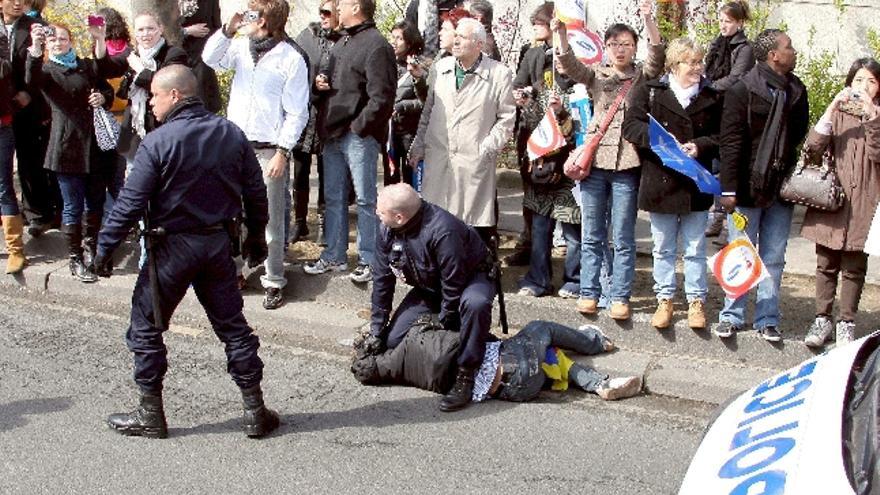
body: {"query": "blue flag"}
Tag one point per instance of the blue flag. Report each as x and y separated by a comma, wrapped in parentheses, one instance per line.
(669, 150)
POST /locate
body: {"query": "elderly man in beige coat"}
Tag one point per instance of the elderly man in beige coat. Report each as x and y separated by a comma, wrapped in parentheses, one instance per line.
(467, 119)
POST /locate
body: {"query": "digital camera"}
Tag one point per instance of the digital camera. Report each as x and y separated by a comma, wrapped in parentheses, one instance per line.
(250, 16)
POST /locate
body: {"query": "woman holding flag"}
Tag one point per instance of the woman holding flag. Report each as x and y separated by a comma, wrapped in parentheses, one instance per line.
(684, 102)
(615, 171)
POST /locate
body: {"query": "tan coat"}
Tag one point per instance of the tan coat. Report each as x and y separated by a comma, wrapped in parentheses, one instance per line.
(460, 135)
(856, 148)
(603, 84)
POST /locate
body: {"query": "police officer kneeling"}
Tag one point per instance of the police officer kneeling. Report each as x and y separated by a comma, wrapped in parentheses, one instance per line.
(190, 178)
(448, 266)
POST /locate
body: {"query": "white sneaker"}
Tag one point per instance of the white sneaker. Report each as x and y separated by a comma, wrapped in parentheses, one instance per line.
(845, 331)
(620, 388)
(819, 333)
(362, 274)
(324, 266)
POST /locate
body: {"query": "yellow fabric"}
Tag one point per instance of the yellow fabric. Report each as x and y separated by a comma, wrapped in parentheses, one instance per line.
(558, 372)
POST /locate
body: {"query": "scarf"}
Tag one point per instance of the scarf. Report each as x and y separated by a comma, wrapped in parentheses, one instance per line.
(684, 95)
(766, 172)
(719, 60)
(262, 47)
(115, 47)
(139, 95)
(67, 60)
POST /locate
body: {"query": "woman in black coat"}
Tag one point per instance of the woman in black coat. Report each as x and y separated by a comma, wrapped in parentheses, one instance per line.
(684, 103)
(72, 87)
(198, 20)
(151, 53)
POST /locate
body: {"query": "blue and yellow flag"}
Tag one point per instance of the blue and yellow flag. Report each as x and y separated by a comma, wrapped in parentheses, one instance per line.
(556, 365)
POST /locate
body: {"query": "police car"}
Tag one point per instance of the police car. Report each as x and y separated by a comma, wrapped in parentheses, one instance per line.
(813, 429)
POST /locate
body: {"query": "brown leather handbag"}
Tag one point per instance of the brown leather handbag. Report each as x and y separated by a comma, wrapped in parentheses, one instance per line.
(580, 161)
(812, 184)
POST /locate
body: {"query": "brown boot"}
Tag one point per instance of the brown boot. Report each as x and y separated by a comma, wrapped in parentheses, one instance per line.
(663, 316)
(696, 315)
(13, 228)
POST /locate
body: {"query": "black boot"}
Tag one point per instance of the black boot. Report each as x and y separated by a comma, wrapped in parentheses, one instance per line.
(460, 395)
(148, 420)
(300, 211)
(319, 239)
(73, 234)
(90, 237)
(258, 420)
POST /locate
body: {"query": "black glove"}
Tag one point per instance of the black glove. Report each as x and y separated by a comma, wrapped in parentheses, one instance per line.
(103, 266)
(365, 370)
(373, 345)
(254, 250)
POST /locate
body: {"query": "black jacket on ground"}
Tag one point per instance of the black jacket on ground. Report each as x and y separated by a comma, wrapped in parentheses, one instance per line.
(746, 109)
(117, 66)
(363, 82)
(194, 171)
(73, 148)
(435, 252)
(316, 44)
(663, 190)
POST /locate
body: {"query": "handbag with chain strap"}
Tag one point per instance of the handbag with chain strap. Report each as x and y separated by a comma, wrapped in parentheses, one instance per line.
(812, 184)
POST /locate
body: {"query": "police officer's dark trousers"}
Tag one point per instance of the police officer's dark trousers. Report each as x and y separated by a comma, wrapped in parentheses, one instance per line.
(203, 261)
(475, 309)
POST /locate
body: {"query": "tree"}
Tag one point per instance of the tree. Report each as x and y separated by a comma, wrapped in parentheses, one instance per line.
(168, 12)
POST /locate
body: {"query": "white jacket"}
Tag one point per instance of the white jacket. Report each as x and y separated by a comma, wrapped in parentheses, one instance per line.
(269, 100)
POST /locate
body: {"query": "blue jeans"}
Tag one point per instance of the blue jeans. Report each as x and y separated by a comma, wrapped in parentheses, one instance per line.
(8, 201)
(540, 275)
(80, 193)
(768, 229)
(665, 230)
(350, 154)
(621, 189)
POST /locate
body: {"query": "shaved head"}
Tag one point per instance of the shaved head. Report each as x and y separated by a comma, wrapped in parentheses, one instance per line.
(397, 204)
(179, 77)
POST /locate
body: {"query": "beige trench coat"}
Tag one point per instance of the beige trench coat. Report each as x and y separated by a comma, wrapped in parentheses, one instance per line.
(603, 84)
(460, 135)
(856, 149)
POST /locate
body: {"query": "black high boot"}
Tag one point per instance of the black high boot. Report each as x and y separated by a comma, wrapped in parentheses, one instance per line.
(73, 234)
(148, 420)
(258, 420)
(300, 211)
(90, 237)
(460, 395)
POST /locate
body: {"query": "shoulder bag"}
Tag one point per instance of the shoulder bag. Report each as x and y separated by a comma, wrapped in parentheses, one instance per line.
(815, 185)
(579, 162)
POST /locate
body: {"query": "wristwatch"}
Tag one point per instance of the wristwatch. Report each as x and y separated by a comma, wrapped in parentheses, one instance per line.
(283, 151)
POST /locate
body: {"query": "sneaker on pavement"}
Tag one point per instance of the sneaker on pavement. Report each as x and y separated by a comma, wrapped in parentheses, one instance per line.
(362, 274)
(770, 334)
(620, 388)
(273, 299)
(619, 311)
(663, 316)
(567, 294)
(324, 266)
(726, 329)
(587, 306)
(527, 292)
(845, 332)
(697, 315)
(819, 333)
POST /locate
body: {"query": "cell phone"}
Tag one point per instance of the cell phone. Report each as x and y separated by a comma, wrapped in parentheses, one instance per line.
(250, 16)
(95, 20)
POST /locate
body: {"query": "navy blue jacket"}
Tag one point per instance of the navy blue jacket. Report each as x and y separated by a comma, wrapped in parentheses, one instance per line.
(435, 252)
(193, 171)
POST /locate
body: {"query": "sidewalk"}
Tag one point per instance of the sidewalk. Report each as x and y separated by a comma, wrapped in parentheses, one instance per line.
(323, 312)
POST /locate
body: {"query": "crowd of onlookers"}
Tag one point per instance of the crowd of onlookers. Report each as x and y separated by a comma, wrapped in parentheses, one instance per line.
(436, 106)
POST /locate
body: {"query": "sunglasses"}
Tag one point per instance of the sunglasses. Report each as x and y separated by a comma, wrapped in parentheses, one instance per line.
(325, 12)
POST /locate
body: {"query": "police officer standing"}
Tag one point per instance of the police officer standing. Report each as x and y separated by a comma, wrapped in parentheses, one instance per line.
(190, 178)
(447, 264)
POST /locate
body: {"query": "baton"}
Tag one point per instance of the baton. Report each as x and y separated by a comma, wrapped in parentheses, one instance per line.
(502, 308)
(150, 235)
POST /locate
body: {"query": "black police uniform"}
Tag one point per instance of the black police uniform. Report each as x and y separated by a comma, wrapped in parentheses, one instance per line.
(447, 264)
(190, 176)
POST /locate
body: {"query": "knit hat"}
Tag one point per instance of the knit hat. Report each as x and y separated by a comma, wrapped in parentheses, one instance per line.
(543, 14)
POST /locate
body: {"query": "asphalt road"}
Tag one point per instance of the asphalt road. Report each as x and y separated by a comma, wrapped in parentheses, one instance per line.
(63, 369)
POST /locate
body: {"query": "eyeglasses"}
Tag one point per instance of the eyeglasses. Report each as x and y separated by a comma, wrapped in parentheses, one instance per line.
(325, 12)
(615, 45)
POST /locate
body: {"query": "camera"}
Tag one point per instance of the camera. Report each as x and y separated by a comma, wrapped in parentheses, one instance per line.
(95, 20)
(48, 31)
(853, 105)
(250, 16)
